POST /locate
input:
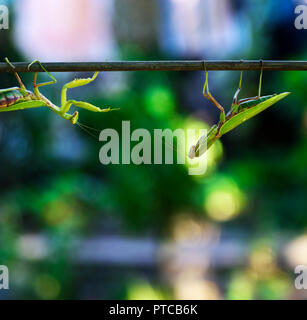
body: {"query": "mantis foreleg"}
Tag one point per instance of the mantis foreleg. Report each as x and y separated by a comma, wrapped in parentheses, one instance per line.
(73, 84)
(84, 105)
(65, 105)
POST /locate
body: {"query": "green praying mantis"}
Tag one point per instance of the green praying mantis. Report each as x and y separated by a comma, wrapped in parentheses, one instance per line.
(19, 98)
(240, 111)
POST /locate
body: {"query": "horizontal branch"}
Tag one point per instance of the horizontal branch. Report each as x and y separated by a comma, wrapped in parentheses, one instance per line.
(179, 65)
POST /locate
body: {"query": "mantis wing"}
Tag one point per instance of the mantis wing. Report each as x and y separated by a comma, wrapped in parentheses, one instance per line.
(250, 112)
(205, 142)
(9, 89)
(24, 105)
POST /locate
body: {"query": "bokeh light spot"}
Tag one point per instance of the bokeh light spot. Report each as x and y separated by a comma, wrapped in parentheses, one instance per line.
(47, 287)
(224, 200)
(142, 290)
(241, 287)
(159, 102)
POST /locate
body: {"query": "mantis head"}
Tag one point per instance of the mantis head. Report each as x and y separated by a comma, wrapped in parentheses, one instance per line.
(204, 143)
(74, 117)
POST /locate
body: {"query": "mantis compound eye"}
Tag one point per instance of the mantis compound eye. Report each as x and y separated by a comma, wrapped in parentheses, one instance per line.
(74, 117)
(192, 152)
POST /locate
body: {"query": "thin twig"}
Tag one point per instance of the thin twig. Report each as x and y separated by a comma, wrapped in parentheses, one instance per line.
(179, 65)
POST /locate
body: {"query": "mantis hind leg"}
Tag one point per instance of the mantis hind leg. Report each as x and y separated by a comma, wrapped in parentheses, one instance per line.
(260, 79)
(207, 94)
(22, 86)
(35, 84)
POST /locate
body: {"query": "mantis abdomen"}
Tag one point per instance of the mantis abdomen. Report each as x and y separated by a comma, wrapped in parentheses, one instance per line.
(13, 96)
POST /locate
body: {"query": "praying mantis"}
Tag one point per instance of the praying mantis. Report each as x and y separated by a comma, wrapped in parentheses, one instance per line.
(19, 98)
(240, 111)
